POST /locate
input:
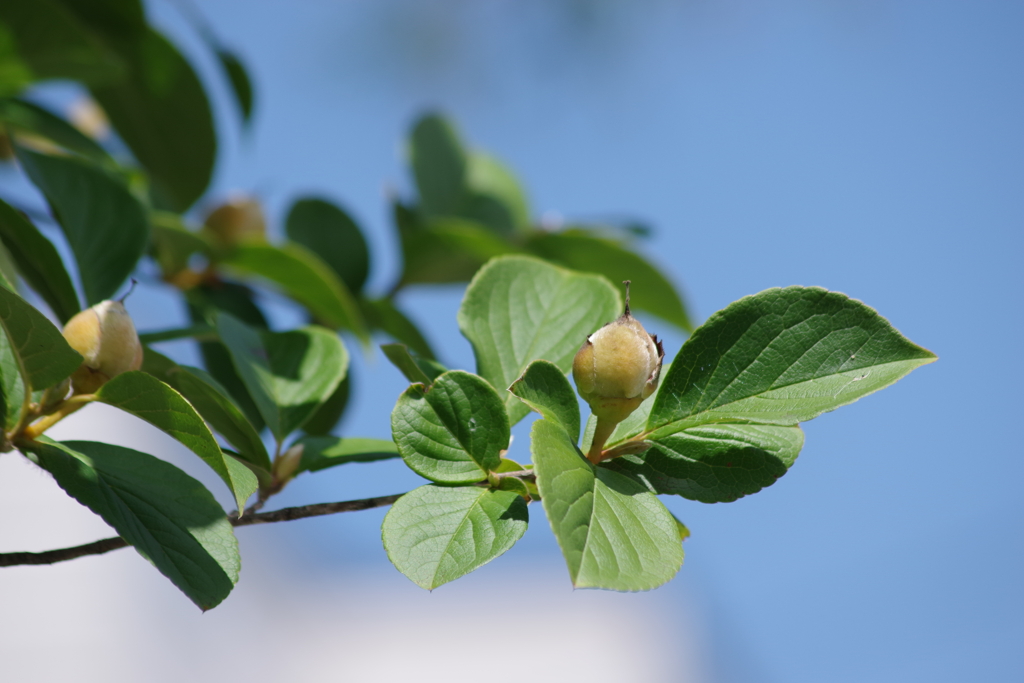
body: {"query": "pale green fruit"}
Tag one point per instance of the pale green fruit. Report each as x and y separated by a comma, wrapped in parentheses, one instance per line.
(240, 219)
(108, 342)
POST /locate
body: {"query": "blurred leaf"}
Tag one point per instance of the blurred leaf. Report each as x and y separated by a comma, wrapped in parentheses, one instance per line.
(545, 388)
(447, 250)
(435, 534)
(105, 225)
(19, 115)
(330, 411)
(383, 315)
(781, 357)
(15, 74)
(496, 198)
(55, 44)
(400, 357)
(305, 278)
(519, 309)
(714, 463)
(173, 243)
(288, 374)
(439, 166)
(331, 234)
(176, 333)
(168, 516)
(651, 291)
(149, 399)
(42, 355)
(38, 262)
(455, 432)
(321, 452)
(241, 85)
(161, 111)
(613, 533)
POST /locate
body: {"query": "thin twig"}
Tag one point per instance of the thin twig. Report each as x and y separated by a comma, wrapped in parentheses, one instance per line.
(283, 515)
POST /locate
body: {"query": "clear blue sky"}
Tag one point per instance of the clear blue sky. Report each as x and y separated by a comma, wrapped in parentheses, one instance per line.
(875, 148)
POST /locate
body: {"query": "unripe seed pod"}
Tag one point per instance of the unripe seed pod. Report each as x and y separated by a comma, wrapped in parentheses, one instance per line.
(616, 369)
(108, 342)
(236, 220)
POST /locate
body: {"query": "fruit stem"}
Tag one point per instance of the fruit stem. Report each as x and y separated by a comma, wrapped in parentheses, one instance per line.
(603, 430)
(66, 408)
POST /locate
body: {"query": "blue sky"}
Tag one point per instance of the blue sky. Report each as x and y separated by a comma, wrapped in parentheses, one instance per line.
(874, 148)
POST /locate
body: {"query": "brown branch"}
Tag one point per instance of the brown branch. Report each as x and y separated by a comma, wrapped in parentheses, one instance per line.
(283, 515)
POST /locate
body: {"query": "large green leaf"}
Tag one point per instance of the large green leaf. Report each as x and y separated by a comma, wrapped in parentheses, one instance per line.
(18, 115)
(519, 309)
(12, 386)
(782, 357)
(435, 534)
(438, 165)
(161, 111)
(545, 388)
(326, 417)
(105, 225)
(455, 432)
(149, 399)
(168, 516)
(38, 262)
(288, 374)
(305, 278)
(55, 44)
(15, 73)
(331, 234)
(715, 463)
(586, 252)
(321, 452)
(39, 349)
(613, 532)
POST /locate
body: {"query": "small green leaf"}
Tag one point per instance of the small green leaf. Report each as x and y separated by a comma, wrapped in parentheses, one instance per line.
(613, 532)
(149, 399)
(519, 309)
(241, 84)
(435, 534)
(496, 197)
(586, 252)
(545, 388)
(781, 357)
(38, 262)
(383, 315)
(321, 452)
(400, 357)
(104, 223)
(331, 234)
(42, 355)
(305, 278)
(454, 432)
(161, 111)
(11, 383)
(288, 374)
(715, 463)
(438, 164)
(168, 516)
(18, 115)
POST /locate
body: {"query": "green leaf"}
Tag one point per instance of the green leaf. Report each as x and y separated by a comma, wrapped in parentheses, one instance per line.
(212, 401)
(331, 234)
(613, 532)
(782, 357)
(586, 252)
(241, 84)
(448, 250)
(383, 315)
(161, 111)
(15, 74)
(545, 388)
(400, 357)
(454, 432)
(305, 278)
(288, 374)
(105, 225)
(42, 355)
(149, 399)
(18, 115)
(519, 309)
(55, 44)
(496, 198)
(11, 383)
(38, 262)
(321, 452)
(173, 243)
(330, 411)
(168, 516)
(435, 534)
(438, 164)
(715, 463)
